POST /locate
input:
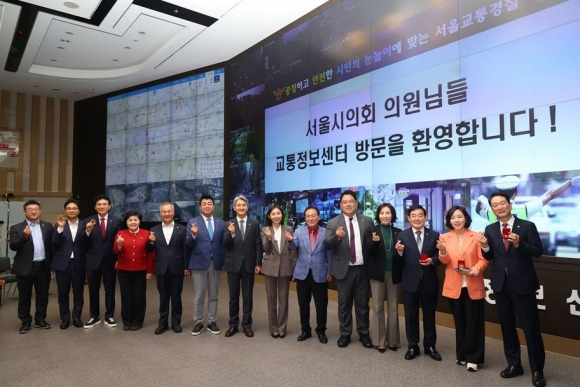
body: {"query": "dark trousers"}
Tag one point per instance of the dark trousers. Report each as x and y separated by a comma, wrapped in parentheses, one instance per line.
(170, 287)
(353, 289)
(469, 328)
(427, 301)
(109, 276)
(305, 290)
(39, 278)
(509, 305)
(65, 279)
(133, 285)
(246, 280)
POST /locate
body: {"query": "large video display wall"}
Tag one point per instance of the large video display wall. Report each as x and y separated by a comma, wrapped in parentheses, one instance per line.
(431, 102)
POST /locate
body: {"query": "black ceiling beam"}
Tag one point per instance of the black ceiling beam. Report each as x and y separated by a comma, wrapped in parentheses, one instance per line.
(176, 11)
(24, 25)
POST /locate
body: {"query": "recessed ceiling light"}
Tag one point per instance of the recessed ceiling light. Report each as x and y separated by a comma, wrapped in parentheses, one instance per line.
(65, 40)
(53, 60)
(60, 48)
(115, 60)
(143, 32)
(127, 48)
(70, 4)
(69, 33)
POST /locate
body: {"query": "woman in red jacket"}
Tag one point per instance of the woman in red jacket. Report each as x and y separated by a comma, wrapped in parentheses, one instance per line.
(460, 251)
(135, 265)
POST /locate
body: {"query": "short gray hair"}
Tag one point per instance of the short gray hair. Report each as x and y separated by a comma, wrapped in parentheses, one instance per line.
(241, 197)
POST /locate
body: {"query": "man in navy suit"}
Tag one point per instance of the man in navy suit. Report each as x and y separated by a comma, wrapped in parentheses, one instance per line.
(243, 244)
(311, 274)
(69, 263)
(345, 236)
(205, 237)
(512, 244)
(417, 250)
(101, 230)
(171, 256)
(31, 241)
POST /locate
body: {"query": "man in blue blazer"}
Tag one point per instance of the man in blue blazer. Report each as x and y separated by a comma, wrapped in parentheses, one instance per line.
(417, 251)
(512, 244)
(311, 274)
(31, 241)
(101, 230)
(69, 263)
(171, 256)
(345, 236)
(243, 244)
(205, 238)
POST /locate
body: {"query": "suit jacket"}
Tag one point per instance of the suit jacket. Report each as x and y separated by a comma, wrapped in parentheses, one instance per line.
(99, 249)
(319, 257)
(470, 252)
(63, 246)
(247, 250)
(340, 247)
(377, 256)
(412, 270)
(204, 249)
(277, 262)
(170, 258)
(133, 256)
(24, 247)
(518, 261)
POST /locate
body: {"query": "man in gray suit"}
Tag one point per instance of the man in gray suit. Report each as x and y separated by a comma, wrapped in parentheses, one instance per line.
(345, 235)
(243, 243)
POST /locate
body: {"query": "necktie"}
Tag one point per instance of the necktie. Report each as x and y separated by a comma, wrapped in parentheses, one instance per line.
(209, 228)
(312, 240)
(419, 240)
(242, 229)
(103, 230)
(506, 242)
(351, 241)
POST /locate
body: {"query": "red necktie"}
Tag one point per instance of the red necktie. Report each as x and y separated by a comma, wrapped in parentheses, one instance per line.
(312, 240)
(506, 242)
(352, 244)
(103, 227)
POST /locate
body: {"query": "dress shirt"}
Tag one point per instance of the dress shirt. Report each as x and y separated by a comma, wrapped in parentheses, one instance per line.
(357, 241)
(167, 231)
(39, 254)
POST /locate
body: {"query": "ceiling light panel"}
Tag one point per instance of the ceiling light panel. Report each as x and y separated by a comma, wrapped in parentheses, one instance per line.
(84, 9)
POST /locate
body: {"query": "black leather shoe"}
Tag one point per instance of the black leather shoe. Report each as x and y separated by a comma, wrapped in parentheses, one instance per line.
(538, 379)
(322, 338)
(176, 328)
(381, 349)
(78, 323)
(275, 335)
(303, 336)
(248, 332)
(366, 341)
(42, 324)
(343, 341)
(281, 335)
(160, 329)
(512, 371)
(135, 327)
(412, 353)
(231, 331)
(64, 324)
(393, 347)
(126, 328)
(25, 328)
(431, 351)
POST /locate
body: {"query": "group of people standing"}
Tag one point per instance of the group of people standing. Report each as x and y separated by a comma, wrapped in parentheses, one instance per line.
(363, 258)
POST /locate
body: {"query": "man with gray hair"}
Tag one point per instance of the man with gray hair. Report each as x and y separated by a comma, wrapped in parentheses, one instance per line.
(243, 244)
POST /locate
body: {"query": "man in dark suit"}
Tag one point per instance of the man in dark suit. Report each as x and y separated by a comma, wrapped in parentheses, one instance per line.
(311, 274)
(512, 244)
(243, 244)
(168, 242)
(205, 237)
(31, 240)
(345, 236)
(69, 263)
(417, 250)
(101, 229)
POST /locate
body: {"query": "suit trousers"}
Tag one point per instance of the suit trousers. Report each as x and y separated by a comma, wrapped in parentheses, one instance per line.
(109, 276)
(353, 289)
(244, 280)
(39, 278)
(133, 285)
(277, 289)
(427, 301)
(381, 333)
(65, 279)
(525, 307)
(305, 290)
(469, 328)
(170, 287)
(205, 280)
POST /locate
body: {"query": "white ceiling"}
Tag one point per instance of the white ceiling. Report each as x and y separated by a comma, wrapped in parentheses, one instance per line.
(67, 57)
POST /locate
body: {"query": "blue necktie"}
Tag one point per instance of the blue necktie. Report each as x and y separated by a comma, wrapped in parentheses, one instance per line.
(209, 228)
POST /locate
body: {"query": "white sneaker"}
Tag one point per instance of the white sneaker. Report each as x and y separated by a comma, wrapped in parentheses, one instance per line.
(110, 322)
(92, 322)
(472, 367)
